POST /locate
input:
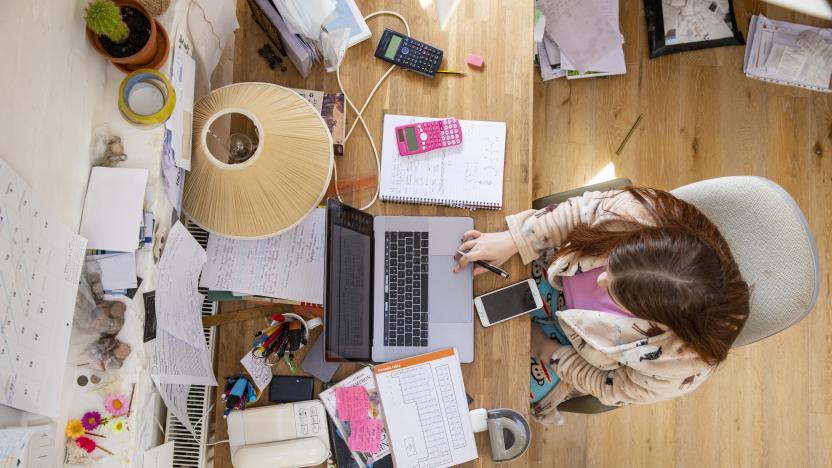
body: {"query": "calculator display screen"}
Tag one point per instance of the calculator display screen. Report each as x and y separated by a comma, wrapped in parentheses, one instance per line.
(410, 133)
(392, 47)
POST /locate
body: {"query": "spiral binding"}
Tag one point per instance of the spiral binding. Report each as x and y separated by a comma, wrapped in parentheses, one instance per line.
(441, 201)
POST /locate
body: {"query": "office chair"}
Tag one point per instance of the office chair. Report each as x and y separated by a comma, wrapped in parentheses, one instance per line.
(770, 240)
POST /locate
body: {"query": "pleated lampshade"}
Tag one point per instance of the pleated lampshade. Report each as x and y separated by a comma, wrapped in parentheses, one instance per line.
(282, 182)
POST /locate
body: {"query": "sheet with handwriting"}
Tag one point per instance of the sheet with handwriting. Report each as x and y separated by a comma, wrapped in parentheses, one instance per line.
(178, 301)
(286, 266)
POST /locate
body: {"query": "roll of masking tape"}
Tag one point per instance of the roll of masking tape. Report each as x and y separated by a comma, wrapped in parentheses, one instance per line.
(146, 98)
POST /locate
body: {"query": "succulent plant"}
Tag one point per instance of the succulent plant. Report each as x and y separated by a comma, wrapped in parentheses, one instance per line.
(104, 18)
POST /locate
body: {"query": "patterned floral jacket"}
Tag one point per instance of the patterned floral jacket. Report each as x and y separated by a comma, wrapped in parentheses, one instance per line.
(620, 360)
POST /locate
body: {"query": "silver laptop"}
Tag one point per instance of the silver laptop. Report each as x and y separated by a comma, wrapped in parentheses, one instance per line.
(390, 289)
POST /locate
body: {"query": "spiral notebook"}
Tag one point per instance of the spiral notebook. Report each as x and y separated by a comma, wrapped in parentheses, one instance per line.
(466, 176)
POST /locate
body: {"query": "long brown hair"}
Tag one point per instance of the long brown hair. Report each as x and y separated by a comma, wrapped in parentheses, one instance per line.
(678, 271)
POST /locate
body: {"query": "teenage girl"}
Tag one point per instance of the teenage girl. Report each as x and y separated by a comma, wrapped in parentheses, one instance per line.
(653, 296)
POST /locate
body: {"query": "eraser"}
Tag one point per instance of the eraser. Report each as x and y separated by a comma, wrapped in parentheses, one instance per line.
(474, 60)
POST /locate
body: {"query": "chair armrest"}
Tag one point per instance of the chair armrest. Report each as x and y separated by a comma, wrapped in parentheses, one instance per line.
(563, 196)
(586, 404)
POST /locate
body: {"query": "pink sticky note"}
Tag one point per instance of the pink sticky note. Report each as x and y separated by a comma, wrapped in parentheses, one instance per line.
(475, 60)
(365, 435)
(352, 403)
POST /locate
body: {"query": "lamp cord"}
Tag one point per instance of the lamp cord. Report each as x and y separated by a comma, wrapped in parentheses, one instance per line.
(359, 117)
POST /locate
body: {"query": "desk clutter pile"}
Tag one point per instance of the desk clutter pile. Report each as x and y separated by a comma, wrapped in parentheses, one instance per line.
(581, 39)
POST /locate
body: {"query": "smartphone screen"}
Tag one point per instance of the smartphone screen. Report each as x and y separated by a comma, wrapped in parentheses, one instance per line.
(509, 302)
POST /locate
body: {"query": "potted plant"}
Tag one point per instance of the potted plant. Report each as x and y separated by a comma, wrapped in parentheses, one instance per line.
(125, 33)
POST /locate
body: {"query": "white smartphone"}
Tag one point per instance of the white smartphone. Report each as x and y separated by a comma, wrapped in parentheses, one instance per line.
(509, 302)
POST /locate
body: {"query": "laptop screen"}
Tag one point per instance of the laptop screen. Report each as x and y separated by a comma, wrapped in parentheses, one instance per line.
(349, 283)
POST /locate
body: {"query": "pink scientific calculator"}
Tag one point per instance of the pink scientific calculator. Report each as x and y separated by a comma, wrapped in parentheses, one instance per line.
(428, 136)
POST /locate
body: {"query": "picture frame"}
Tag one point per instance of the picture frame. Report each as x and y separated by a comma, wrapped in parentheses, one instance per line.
(682, 25)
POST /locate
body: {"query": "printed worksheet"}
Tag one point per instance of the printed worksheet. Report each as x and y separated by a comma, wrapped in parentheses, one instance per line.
(40, 264)
(424, 404)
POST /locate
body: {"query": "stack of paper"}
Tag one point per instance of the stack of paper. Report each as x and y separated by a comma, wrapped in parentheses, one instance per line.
(579, 39)
(116, 225)
(788, 53)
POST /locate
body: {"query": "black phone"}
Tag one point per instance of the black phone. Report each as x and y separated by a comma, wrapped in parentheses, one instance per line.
(291, 388)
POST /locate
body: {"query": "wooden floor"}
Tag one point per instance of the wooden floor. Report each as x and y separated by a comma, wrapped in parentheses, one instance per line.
(771, 403)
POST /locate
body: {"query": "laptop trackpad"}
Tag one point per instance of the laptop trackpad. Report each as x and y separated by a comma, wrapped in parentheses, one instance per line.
(449, 293)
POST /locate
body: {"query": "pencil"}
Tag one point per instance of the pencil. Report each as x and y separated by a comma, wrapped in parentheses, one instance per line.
(629, 134)
(451, 72)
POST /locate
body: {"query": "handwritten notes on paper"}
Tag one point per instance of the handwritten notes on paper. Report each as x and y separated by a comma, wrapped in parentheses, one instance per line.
(258, 370)
(352, 403)
(286, 266)
(365, 435)
(40, 263)
(178, 303)
(581, 30)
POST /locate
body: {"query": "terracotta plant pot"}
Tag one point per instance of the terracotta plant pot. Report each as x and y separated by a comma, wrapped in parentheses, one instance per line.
(149, 56)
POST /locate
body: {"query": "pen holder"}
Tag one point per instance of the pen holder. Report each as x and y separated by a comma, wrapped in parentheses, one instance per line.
(308, 325)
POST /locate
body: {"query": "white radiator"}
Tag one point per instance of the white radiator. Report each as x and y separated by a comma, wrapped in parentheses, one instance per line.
(188, 452)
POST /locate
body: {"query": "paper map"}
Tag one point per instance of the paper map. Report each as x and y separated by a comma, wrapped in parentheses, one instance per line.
(40, 263)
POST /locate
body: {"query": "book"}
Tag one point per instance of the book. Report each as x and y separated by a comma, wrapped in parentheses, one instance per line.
(426, 409)
(363, 378)
(300, 53)
(469, 175)
(332, 108)
(790, 54)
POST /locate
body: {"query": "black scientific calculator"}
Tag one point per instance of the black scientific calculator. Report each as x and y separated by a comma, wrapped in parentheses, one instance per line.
(409, 53)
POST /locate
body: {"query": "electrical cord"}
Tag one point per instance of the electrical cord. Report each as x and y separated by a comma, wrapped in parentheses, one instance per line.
(359, 117)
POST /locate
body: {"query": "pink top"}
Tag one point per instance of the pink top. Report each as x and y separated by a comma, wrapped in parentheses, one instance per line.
(581, 291)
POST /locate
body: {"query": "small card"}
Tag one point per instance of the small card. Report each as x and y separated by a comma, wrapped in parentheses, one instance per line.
(352, 403)
(260, 373)
(365, 435)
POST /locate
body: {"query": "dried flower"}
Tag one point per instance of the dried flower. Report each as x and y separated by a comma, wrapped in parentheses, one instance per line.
(74, 429)
(86, 443)
(91, 420)
(116, 404)
(117, 425)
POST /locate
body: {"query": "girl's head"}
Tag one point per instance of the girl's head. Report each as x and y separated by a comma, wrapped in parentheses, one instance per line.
(678, 271)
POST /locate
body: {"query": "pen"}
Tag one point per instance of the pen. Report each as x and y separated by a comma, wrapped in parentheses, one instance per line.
(488, 266)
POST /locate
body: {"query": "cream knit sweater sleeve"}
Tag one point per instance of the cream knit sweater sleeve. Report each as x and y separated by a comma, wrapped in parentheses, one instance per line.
(535, 231)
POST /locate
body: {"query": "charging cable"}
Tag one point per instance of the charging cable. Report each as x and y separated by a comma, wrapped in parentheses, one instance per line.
(359, 117)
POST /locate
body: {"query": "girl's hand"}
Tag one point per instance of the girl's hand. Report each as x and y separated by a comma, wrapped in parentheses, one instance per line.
(492, 247)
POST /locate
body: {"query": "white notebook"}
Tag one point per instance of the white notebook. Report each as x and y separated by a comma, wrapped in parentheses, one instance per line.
(466, 176)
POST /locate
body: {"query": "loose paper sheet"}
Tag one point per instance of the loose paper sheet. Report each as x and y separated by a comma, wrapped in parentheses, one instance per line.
(183, 72)
(40, 263)
(260, 373)
(178, 303)
(176, 400)
(13, 442)
(581, 31)
(159, 457)
(113, 208)
(118, 271)
(426, 410)
(173, 361)
(286, 266)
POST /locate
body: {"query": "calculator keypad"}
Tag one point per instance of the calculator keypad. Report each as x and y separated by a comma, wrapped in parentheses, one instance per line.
(418, 56)
(439, 134)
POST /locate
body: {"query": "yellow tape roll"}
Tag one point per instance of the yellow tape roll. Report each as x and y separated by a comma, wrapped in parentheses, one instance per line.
(146, 113)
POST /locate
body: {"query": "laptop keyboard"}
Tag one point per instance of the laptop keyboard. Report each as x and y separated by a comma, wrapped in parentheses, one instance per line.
(406, 288)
